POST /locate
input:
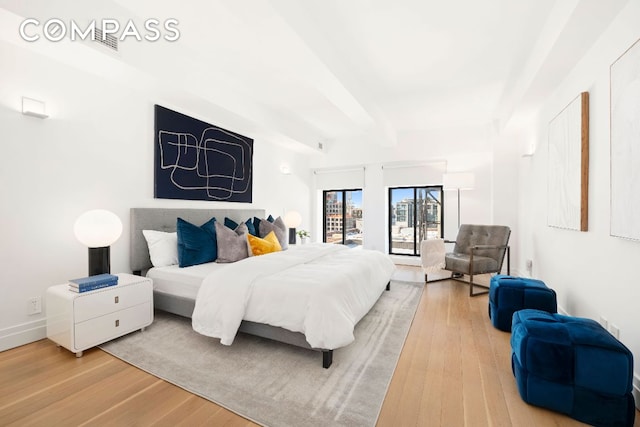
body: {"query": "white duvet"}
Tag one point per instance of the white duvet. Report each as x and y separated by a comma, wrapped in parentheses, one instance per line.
(321, 290)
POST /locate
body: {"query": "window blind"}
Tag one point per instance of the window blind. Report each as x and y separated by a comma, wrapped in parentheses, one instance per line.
(339, 179)
(413, 174)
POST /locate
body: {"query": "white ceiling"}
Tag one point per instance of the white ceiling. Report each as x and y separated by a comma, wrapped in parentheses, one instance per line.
(303, 72)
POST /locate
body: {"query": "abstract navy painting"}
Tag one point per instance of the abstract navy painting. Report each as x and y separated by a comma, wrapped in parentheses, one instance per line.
(195, 160)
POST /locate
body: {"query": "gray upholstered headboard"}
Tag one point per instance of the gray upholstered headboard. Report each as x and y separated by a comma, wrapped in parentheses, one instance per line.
(164, 219)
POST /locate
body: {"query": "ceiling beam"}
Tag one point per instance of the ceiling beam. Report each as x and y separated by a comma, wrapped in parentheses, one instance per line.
(572, 28)
(335, 78)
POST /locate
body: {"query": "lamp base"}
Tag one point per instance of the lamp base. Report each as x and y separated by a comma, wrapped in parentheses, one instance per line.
(99, 260)
(292, 236)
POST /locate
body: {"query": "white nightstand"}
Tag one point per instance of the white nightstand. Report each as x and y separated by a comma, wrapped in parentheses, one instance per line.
(78, 321)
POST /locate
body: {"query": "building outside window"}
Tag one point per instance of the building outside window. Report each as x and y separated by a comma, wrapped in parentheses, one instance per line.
(415, 213)
(343, 217)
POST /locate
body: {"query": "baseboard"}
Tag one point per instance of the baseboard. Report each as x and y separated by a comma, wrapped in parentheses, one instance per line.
(22, 334)
(406, 260)
(517, 273)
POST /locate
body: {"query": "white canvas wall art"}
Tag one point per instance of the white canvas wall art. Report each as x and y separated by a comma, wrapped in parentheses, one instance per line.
(625, 144)
(568, 172)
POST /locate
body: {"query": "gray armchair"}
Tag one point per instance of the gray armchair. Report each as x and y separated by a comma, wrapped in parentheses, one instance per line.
(479, 249)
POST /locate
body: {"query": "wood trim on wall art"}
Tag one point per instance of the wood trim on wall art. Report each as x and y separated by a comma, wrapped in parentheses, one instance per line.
(568, 167)
(584, 181)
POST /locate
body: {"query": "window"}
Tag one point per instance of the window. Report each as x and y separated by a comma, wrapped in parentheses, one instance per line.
(342, 217)
(415, 213)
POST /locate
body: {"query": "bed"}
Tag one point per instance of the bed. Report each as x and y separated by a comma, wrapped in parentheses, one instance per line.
(353, 278)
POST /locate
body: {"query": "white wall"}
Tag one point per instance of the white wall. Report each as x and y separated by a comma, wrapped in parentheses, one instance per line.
(95, 151)
(593, 273)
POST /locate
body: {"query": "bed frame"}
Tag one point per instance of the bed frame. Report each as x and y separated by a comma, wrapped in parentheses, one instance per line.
(164, 219)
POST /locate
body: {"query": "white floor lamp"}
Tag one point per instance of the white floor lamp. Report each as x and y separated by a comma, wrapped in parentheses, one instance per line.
(458, 181)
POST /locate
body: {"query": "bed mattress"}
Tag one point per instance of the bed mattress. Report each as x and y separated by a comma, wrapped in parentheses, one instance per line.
(181, 282)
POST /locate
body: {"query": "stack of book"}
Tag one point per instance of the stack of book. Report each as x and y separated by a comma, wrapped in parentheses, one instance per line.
(85, 284)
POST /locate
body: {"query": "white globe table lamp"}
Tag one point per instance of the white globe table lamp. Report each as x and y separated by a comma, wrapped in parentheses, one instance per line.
(98, 229)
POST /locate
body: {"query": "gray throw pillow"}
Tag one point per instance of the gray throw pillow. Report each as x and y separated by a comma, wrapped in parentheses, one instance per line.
(277, 227)
(232, 244)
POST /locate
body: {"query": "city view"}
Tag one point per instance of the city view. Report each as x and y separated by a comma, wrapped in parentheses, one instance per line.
(415, 214)
(343, 217)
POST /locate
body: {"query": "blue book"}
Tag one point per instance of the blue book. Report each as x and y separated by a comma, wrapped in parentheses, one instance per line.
(87, 288)
(92, 281)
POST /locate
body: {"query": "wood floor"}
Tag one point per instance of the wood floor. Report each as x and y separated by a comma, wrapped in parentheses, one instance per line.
(454, 370)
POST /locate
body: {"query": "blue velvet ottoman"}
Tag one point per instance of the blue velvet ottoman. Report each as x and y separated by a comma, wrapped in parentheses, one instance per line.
(508, 294)
(574, 366)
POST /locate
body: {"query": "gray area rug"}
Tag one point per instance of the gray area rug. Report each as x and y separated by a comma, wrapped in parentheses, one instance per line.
(276, 384)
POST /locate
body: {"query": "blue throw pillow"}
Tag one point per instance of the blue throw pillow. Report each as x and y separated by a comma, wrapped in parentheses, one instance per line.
(229, 223)
(256, 224)
(196, 245)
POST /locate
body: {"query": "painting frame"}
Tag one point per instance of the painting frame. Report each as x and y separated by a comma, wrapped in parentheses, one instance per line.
(195, 160)
(624, 136)
(568, 166)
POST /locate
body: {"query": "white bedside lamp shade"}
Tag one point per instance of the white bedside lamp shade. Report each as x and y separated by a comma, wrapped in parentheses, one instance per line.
(292, 219)
(98, 229)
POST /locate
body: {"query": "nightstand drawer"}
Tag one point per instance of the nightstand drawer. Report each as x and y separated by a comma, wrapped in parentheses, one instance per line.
(98, 303)
(96, 331)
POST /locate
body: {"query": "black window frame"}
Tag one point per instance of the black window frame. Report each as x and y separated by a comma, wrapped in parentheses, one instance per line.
(343, 213)
(415, 188)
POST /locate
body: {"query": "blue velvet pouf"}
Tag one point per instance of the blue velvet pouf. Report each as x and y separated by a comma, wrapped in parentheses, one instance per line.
(508, 294)
(574, 366)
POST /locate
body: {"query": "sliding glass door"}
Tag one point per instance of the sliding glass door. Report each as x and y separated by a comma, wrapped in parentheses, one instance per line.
(342, 217)
(415, 213)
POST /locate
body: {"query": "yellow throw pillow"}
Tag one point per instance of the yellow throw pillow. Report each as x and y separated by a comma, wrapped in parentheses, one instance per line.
(273, 238)
(264, 246)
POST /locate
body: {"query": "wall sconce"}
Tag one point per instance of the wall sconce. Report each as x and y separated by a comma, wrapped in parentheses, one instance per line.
(284, 169)
(530, 151)
(458, 181)
(98, 229)
(292, 219)
(34, 108)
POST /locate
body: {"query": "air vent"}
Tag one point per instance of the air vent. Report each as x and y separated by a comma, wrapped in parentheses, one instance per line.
(109, 41)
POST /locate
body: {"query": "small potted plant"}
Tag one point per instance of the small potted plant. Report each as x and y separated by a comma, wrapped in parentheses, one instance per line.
(303, 235)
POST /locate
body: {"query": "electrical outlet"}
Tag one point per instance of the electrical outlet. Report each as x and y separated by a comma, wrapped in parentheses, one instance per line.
(34, 305)
(604, 322)
(615, 331)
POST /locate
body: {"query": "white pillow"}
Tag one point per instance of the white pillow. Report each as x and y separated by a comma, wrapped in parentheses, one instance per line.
(163, 247)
